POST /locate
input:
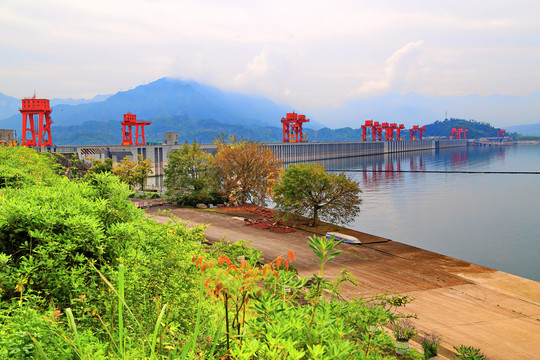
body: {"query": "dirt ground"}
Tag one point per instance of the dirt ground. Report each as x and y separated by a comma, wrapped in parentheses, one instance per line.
(465, 303)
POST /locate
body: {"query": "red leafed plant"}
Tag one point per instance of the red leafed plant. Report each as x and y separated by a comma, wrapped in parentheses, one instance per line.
(232, 283)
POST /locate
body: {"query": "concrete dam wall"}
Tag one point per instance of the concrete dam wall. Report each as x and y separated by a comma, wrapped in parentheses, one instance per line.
(286, 152)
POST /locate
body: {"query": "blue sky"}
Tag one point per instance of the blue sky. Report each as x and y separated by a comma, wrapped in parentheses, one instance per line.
(303, 53)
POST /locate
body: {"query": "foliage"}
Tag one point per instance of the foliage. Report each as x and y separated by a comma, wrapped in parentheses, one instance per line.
(307, 189)
(404, 330)
(235, 250)
(21, 166)
(430, 344)
(468, 353)
(70, 165)
(246, 170)
(271, 313)
(51, 237)
(133, 172)
(19, 324)
(99, 166)
(50, 233)
(188, 176)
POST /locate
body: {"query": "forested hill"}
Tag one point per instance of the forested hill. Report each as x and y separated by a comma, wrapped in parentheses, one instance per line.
(476, 129)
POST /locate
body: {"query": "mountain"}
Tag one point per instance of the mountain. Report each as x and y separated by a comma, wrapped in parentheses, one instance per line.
(70, 101)
(166, 98)
(9, 106)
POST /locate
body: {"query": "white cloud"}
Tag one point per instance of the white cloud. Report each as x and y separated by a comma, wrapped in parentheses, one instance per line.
(396, 72)
(256, 70)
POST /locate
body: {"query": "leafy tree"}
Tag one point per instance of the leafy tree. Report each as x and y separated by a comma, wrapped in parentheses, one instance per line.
(246, 170)
(99, 166)
(142, 169)
(308, 190)
(188, 175)
(133, 172)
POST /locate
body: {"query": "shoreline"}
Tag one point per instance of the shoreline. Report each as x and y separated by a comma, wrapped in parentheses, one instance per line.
(465, 303)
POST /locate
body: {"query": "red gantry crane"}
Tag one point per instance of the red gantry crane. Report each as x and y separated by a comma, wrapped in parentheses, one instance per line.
(501, 132)
(31, 107)
(129, 121)
(369, 124)
(293, 127)
(419, 130)
(458, 133)
(377, 130)
(389, 131)
(462, 133)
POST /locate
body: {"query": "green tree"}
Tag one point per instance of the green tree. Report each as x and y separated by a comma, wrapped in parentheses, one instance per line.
(142, 170)
(99, 166)
(188, 175)
(308, 190)
(246, 170)
(133, 172)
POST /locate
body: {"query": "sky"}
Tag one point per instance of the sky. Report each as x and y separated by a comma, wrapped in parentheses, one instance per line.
(302, 53)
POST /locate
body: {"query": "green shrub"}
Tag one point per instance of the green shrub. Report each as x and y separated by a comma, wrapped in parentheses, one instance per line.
(468, 353)
(21, 166)
(50, 235)
(19, 324)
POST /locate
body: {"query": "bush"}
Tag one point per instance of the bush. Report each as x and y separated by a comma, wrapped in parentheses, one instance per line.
(51, 236)
(21, 166)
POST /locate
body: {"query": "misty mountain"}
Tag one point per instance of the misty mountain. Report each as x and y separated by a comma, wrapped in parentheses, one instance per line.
(70, 101)
(166, 98)
(9, 106)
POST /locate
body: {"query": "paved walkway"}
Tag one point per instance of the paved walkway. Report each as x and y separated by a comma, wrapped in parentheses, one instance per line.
(465, 303)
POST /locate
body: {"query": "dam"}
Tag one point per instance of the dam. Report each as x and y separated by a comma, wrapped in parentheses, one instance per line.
(286, 152)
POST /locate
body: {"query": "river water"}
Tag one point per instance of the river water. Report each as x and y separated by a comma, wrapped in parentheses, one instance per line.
(488, 219)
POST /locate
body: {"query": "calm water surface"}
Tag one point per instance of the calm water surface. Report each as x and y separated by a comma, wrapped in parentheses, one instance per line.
(488, 219)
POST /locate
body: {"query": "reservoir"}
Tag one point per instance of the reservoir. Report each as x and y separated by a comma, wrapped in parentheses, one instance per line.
(491, 219)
